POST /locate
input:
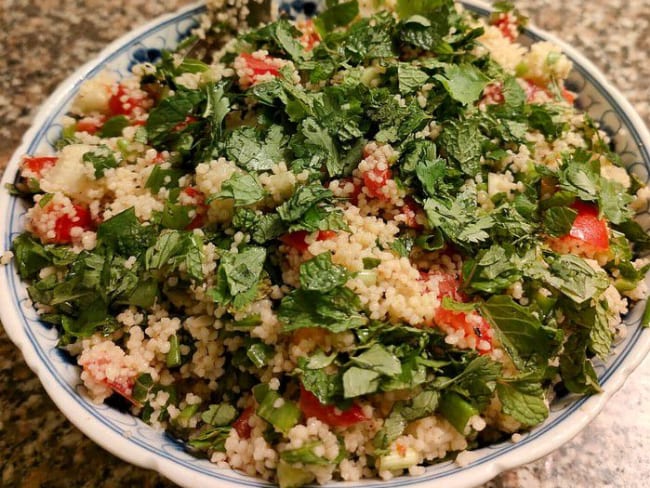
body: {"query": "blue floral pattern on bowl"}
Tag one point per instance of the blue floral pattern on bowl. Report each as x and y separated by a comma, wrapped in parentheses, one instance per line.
(136, 442)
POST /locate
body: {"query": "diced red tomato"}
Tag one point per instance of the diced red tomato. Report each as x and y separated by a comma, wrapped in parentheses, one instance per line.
(588, 228)
(159, 159)
(568, 96)
(64, 224)
(201, 208)
(324, 235)
(181, 125)
(309, 37)
(449, 286)
(121, 103)
(375, 180)
(476, 326)
(241, 425)
(298, 239)
(532, 89)
(89, 124)
(36, 164)
(356, 189)
(329, 414)
(493, 94)
(460, 320)
(507, 24)
(122, 385)
(401, 449)
(260, 66)
(410, 211)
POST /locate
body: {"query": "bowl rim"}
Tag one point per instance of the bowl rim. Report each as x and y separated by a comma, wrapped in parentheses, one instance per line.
(582, 411)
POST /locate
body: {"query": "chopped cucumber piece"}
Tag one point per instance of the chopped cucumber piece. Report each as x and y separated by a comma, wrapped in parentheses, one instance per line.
(292, 477)
(456, 410)
(397, 462)
(279, 412)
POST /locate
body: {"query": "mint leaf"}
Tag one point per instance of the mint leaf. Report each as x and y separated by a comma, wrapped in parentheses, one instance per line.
(559, 220)
(461, 141)
(254, 151)
(336, 310)
(575, 278)
(463, 82)
(379, 359)
(523, 401)
(113, 127)
(319, 274)
(124, 234)
(243, 188)
(358, 381)
(336, 16)
(303, 199)
(102, 158)
(527, 341)
(576, 370)
(241, 271)
(410, 78)
(219, 415)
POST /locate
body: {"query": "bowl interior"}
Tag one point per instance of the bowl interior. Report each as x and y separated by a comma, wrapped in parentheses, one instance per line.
(128, 437)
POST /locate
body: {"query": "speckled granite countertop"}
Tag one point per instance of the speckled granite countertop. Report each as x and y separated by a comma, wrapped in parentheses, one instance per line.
(43, 41)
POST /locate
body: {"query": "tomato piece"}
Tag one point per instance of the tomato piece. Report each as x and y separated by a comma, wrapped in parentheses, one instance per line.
(297, 240)
(309, 37)
(36, 164)
(182, 125)
(121, 103)
(356, 189)
(410, 211)
(588, 227)
(568, 96)
(89, 125)
(375, 180)
(476, 326)
(532, 89)
(324, 235)
(64, 224)
(493, 94)
(241, 425)
(260, 66)
(201, 208)
(507, 24)
(449, 286)
(122, 385)
(329, 414)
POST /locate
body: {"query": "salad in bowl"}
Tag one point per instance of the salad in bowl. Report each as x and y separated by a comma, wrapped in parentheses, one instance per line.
(341, 248)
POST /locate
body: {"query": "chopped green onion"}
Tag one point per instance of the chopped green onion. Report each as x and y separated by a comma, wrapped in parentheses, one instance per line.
(174, 354)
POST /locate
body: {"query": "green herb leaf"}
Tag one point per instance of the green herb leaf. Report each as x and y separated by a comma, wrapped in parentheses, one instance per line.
(463, 82)
(113, 127)
(336, 310)
(319, 274)
(219, 415)
(379, 359)
(243, 188)
(523, 401)
(102, 158)
(358, 381)
(527, 341)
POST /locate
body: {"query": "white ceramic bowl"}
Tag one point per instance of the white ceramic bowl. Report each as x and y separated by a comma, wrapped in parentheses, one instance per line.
(135, 442)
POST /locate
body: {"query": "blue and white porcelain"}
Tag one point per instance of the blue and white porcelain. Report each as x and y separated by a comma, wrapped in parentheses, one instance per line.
(137, 443)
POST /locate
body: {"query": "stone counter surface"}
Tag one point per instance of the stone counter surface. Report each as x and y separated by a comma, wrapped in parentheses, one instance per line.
(43, 41)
